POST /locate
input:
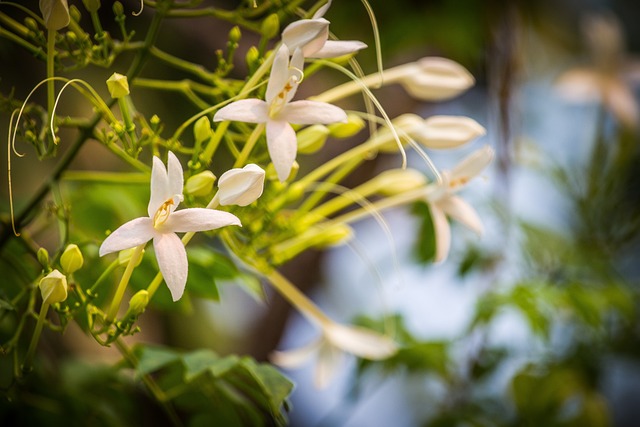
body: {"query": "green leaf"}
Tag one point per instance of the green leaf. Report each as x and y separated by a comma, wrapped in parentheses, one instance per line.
(151, 359)
(425, 245)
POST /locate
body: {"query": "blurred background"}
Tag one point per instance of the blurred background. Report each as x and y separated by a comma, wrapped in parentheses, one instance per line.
(535, 323)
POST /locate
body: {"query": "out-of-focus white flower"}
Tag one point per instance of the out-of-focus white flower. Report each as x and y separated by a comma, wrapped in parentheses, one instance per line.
(163, 222)
(443, 201)
(278, 112)
(336, 340)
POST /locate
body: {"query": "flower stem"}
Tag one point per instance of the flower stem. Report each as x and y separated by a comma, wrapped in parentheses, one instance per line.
(36, 337)
(122, 286)
(251, 142)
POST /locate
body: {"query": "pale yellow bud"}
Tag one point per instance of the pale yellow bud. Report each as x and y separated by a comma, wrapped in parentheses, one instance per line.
(118, 85)
(353, 125)
(335, 235)
(55, 13)
(312, 138)
(397, 181)
(71, 259)
(241, 186)
(434, 79)
(91, 5)
(138, 303)
(43, 258)
(200, 184)
(53, 287)
(202, 130)
(270, 26)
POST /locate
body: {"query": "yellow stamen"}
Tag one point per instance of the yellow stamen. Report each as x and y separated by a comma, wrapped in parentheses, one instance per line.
(162, 214)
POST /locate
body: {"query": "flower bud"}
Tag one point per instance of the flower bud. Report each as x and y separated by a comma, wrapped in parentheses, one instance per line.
(253, 57)
(43, 258)
(312, 138)
(71, 259)
(91, 5)
(202, 130)
(118, 85)
(335, 235)
(435, 79)
(397, 181)
(138, 303)
(124, 256)
(405, 124)
(447, 131)
(55, 13)
(200, 184)
(118, 9)
(235, 34)
(241, 186)
(270, 26)
(53, 287)
(353, 125)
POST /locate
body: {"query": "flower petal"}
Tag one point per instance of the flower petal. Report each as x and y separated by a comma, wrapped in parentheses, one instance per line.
(462, 212)
(436, 79)
(172, 261)
(245, 110)
(283, 146)
(312, 112)
(329, 359)
(279, 74)
(360, 341)
(336, 48)
(199, 219)
(441, 233)
(320, 13)
(472, 165)
(175, 176)
(128, 235)
(306, 34)
(294, 358)
(159, 186)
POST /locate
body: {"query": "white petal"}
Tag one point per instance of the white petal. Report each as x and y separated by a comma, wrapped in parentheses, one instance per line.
(241, 186)
(128, 235)
(434, 79)
(279, 74)
(245, 110)
(283, 146)
(448, 131)
(199, 219)
(175, 176)
(441, 232)
(312, 112)
(296, 68)
(295, 358)
(329, 359)
(172, 261)
(462, 212)
(472, 165)
(336, 48)
(306, 34)
(159, 186)
(320, 13)
(360, 342)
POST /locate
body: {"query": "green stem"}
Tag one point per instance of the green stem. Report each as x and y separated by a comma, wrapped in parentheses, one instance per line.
(122, 286)
(35, 338)
(248, 147)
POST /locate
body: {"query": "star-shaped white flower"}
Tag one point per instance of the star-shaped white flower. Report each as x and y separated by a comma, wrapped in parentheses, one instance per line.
(163, 222)
(443, 201)
(277, 112)
(312, 37)
(336, 340)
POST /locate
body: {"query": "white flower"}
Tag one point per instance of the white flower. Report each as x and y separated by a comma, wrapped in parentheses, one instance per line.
(277, 111)
(312, 37)
(443, 201)
(336, 339)
(162, 224)
(241, 186)
(55, 13)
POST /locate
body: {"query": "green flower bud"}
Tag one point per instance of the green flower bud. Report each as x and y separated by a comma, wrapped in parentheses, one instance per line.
(202, 130)
(200, 184)
(235, 34)
(138, 303)
(74, 13)
(125, 255)
(43, 258)
(91, 5)
(334, 235)
(397, 181)
(253, 57)
(270, 26)
(55, 13)
(118, 85)
(53, 287)
(71, 259)
(353, 125)
(118, 9)
(312, 138)
(154, 120)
